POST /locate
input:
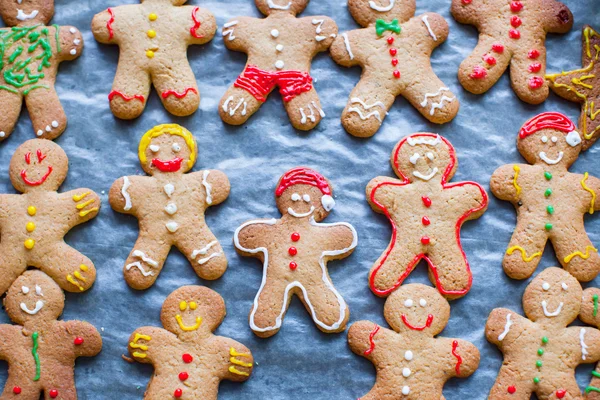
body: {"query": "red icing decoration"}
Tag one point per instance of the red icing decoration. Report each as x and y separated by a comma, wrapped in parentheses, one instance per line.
(292, 251)
(560, 393)
(187, 358)
(17, 390)
(425, 240)
(168, 166)
(390, 40)
(178, 393)
(427, 203)
(372, 343)
(478, 72)
(397, 74)
(28, 158)
(181, 95)
(394, 61)
(533, 54)
(111, 33)
(516, 6)
(197, 23)
(303, 176)
(498, 48)
(259, 83)
(514, 34)
(512, 389)
(78, 341)
(535, 67)
(417, 328)
(459, 359)
(547, 120)
(295, 237)
(53, 393)
(35, 183)
(183, 376)
(114, 93)
(515, 21)
(393, 52)
(467, 1)
(491, 60)
(293, 265)
(425, 221)
(536, 82)
(41, 157)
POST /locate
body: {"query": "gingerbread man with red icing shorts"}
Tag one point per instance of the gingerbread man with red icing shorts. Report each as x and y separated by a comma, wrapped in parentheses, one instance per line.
(394, 49)
(30, 53)
(550, 201)
(511, 32)
(295, 250)
(33, 224)
(280, 50)
(153, 38)
(540, 350)
(426, 213)
(189, 361)
(411, 363)
(40, 350)
(170, 207)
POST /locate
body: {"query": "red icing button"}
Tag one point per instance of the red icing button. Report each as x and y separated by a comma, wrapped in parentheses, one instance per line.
(292, 251)
(53, 393)
(478, 72)
(516, 6)
(535, 82)
(293, 265)
(397, 74)
(467, 1)
(78, 340)
(514, 34)
(295, 237)
(393, 52)
(535, 67)
(178, 393)
(533, 54)
(394, 61)
(17, 390)
(515, 21)
(425, 240)
(183, 376)
(512, 389)
(425, 221)
(489, 59)
(498, 48)
(390, 39)
(426, 201)
(187, 358)
(560, 393)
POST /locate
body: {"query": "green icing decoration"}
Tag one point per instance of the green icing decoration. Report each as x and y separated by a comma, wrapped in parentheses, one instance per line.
(538, 363)
(591, 389)
(548, 192)
(36, 356)
(536, 380)
(381, 26)
(595, 298)
(540, 352)
(596, 374)
(548, 226)
(547, 175)
(545, 339)
(550, 210)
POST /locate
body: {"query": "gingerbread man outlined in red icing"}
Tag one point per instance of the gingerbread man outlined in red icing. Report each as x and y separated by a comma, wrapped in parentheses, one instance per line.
(426, 216)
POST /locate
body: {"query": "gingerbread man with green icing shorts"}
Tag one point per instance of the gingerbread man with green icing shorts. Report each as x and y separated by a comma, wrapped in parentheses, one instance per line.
(295, 250)
(30, 53)
(511, 33)
(550, 201)
(153, 38)
(280, 50)
(411, 363)
(33, 224)
(590, 315)
(541, 351)
(189, 361)
(394, 49)
(426, 212)
(41, 351)
(170, 206)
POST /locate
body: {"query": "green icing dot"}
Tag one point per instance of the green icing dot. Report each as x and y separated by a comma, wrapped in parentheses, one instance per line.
(538, 363)
(540, 352)
(545, 339)
(550, 210)
(548, 192)
(547, 175)
(536, 380)
(548, 226)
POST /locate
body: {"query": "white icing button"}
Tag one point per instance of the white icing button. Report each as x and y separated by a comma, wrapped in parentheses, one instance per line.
(169, 189)
(172, 226)
(564, 286)
(76, 42)
(408, 355)
(2, 134)
(72, 30)
(545, 286)
(423, 302)
(405, 390)
(275, 33)
(73, 52)
(54, 124)
(171, 208)
(406, 372)
(408, 303)
(48, 128)
(40, 132)
(279, 64)
(279, 47)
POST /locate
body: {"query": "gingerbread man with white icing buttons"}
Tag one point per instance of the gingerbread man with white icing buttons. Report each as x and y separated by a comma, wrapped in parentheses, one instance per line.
(511, 33)
(29, 58)
(540, 351)
(394, 49)
(280, 50)
(170, 206)
(426, 212)
(404, 356)
(295, 250)
(550, 201)
(33, 224)
(153, 38)
(40, 350)
(189, 360)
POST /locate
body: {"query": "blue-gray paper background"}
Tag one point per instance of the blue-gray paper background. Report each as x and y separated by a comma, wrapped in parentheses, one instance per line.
(300, 362)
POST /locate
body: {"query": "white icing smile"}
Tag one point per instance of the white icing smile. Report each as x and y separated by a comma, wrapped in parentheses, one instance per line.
(376, 7)
(274, 6)
(38, 306)
(21, 16)
(551, 314)
(300, 215)
(550, 161)
(426, 177)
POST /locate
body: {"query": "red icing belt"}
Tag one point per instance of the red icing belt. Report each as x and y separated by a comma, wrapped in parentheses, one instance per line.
(259, 83)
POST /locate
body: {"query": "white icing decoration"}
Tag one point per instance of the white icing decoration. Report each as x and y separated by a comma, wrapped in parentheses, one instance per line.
(148, 260)
(319, 38)
(21, 16)
(376, 7)
(551, 161)
(367, 106)
(154, 148)
(414, 158)
(274, 6)
(584, 346)
(40, 132)
(226, 104)
(54, 124)
(38, 290)
(171, 208)
(275, 33)
(2, 133)
(347, 43)
(73, 52)
(279, 64)
(551, 314)
(408, 303)
(207, 187)
(554, 139)
(430, 155)
(319, 23)
(230, 24)
(125, 193)
(422, 302)
(573, 138)
(172, 226)
(295, 197)
(139, 266)
(564, 286)
(245, 111)
(300, 215)
(48, 128)
(544, 139)
(306, 198)
(413, 141)
(229, 32)
(426, 22)
(365, 117)
(506, 328)
(408, 355)
(546, 286)
(438, 106)
(203, 250)
(426, 177)
(406, 372)
(233, 110)
(279, 47)
(328, 202)
(76, 42)
(169, 189)
(38, 306)
(72, 30)
(207, 259)
(405, 390)
(24, 289)
(176, 147)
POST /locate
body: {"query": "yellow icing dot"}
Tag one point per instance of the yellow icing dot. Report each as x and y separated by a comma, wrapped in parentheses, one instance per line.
(151, 34)
(152, 17)
(30, 227)
(83, 267)
(31, 210)
(150, 54)
(29, 243)
(193, 305)
(183, 306)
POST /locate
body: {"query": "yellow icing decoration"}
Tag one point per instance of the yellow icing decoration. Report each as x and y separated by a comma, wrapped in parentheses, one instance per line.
(30, 227)
(150, 54)
(152, 17)
(235, 371)
(171, 129)
(31, 210)
(151, 34)
(139, 355)
(585, 176)
(183, 306)
(188, 328)
(580, 254)
(523, 253)
(29, 243)
(79, 197)
(135, 344)
(193, 305)
(86, 212)
(234, 353)
(74, 282)
(83, 267)
(517, 187)
(84, 205)
(235, 361)
(78, 276)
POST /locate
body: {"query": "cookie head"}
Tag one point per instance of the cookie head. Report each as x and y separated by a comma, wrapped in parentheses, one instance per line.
(304, 193)
(193, 310)
(168, 148)
(293, 7)
(417, 308)
(26, 12)
(38, 164)
(367, 12)
(549, 139)
(424, 157)
(34, 296)
(554, 295)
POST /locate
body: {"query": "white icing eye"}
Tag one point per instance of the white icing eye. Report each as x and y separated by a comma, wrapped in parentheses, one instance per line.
(408, 303)
(295, 197)
(544, 139)
(176, 147)
(546, 286)
(423, 302)
(306, 198)
(154, 148)
(24, 289)
(564, 286)
(38, 290)
(554, 139)
(430, 155)
(414, 158)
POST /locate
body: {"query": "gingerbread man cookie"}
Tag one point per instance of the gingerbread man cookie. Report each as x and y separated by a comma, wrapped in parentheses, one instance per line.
(153, 38)
(280, 50)
(583, 86)
(426, 213)
(295, 250)
(589, 315)
(550, 201)
(40, 350)
(541, 352)
(510, 33)
(30, 53)
(403, 356)
(33, 224)
(394, 50)
(170, 207)
(189, 361)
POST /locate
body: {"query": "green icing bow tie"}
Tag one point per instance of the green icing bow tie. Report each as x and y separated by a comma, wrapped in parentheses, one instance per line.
(382, 26)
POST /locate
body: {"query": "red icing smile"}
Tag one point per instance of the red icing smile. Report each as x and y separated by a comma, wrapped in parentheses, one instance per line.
(418, 328)
(168, 166)
(38, 182)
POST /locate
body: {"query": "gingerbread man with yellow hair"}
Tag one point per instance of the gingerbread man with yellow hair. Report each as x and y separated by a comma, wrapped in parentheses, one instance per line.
(170, 206)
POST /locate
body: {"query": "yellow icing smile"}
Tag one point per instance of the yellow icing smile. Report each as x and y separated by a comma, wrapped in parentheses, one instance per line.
(187, 328)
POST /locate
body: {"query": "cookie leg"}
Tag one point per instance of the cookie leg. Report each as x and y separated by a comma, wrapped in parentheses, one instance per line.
(367, 107)
(205, 254)
(392, 268)
(486, 64)
(565, 389)
(326, 306)
(18, 388)
(431, 97)
(61, 386)
(577, 255)
(11, 266)
(449, 270)
(145, 261)
(129, 92)
(269, 308)
(237, 106)
(177, 88)
(527, 70)
(11, 108)
(73, 271)
(510, 384)
(47, 114)
(305, 110)
(525, 250)
(592, 391)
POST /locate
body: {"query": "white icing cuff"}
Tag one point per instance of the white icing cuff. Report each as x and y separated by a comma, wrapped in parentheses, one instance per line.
(573, 138)
(328, 202)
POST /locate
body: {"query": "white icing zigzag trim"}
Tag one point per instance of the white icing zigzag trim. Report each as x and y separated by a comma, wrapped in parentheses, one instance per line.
(126, 184)
(229, 32)
(139, 266)
(207, 186)
(148, 260)
(203, 250)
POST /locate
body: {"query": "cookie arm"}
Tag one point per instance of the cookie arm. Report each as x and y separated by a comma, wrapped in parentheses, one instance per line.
(501, 328)
(465, 357)
(8, 333)
(71, 42)
(236, 31)
(435, 28)
(346, 50)
(103, 26)
(590, 307)
(325, 29)
(146, 343)
(589, 339)
(505, 182)
(380, 190)
(250, 237)
(216, 185)
(201, 25)
(592, 186)
(363, 337)
(120, 197)
(342, 239)
(556, 17)
(84, 205)
(473, 196)
(237, 359)
(85, 338)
